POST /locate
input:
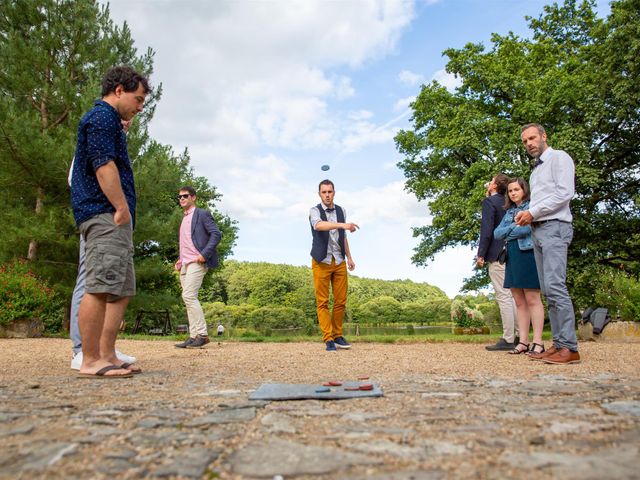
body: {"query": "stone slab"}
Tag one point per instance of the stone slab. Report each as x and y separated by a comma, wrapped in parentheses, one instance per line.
(288, 459)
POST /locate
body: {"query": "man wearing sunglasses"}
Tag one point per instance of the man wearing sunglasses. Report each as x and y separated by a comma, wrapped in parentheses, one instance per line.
(199, 236)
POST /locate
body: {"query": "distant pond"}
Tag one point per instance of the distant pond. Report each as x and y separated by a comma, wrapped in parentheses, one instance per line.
(354, 329)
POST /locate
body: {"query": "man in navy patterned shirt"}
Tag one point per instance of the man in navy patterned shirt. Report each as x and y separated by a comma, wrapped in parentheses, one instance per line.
(103, 198)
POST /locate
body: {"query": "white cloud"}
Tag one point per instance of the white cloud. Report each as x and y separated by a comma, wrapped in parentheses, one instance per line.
(362, 134)
(258, 72)
(447, 80)
(403, 104)
(390, 204)
(390, 165)
(360, 115)
(343, 88)
(410, 78)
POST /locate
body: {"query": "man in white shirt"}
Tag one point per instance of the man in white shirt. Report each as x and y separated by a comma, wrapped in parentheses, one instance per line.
(552, 188)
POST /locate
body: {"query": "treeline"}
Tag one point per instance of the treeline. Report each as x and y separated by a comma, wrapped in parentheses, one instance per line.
(265, 295)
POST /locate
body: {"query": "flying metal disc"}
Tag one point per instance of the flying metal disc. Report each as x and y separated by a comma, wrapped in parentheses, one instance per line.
(324, 168)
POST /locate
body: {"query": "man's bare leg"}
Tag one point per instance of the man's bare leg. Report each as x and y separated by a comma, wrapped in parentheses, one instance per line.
(91, 319)
(114, 315)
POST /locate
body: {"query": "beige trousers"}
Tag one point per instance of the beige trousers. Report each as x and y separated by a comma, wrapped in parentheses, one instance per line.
(505, 301)
(191, 277)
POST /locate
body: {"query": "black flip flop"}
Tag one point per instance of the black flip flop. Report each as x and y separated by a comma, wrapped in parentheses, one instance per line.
(100, 374)
(126, 366)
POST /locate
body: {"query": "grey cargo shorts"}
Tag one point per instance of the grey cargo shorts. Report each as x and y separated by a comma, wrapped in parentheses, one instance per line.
(109, 257)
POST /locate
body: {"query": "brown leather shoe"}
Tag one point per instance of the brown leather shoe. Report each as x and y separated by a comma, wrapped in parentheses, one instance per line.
(539, 356)
(562, 357)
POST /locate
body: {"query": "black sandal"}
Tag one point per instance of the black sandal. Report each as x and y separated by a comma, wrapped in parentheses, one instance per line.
(515, 351)
(533, 348)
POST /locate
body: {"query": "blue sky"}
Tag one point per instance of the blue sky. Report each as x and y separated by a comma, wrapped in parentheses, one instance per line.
(263, 93)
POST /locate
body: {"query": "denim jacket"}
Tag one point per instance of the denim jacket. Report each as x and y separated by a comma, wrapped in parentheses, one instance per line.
(508, 230)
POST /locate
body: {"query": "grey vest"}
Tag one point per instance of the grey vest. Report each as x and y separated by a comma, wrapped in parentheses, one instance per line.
(321, 239)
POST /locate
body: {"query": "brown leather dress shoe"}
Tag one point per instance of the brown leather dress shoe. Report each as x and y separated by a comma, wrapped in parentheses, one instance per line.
(562, 357)
(539, 356)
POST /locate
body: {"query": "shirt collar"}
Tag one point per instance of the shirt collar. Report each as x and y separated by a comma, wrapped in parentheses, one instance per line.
(329, 209)
(102, 103)
(545, 154)
(190, 211)
(113, 111)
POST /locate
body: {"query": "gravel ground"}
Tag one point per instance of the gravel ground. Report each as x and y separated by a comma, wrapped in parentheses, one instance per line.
(449, 411)
(308, 362)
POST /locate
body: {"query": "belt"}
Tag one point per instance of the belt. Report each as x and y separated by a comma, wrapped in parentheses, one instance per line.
(542, 222)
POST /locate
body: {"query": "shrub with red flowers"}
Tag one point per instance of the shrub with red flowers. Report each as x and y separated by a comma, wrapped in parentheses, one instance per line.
(22, 294)
(464, 316)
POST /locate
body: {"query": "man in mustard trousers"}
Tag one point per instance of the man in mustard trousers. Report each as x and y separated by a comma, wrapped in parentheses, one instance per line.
(330, 258)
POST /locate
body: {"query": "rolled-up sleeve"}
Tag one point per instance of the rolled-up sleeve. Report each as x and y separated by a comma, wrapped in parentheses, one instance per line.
(314, 216)
(101, 149)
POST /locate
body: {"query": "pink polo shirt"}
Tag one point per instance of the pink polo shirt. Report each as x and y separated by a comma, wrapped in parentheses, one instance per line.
(188, 251)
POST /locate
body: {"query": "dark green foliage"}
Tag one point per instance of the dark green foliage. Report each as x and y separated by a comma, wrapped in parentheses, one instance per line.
(577, 75)
(53, 55)
(600, 286)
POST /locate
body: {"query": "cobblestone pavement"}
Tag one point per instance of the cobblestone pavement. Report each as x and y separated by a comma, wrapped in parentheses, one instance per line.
(449, 411)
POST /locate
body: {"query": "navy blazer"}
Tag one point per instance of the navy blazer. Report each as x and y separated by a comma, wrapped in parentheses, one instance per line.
(205, 236)
(492, 213)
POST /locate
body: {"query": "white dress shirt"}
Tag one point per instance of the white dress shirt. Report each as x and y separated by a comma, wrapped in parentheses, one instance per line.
(552, 186)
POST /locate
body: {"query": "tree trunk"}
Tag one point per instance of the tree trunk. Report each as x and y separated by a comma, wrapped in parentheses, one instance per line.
(33, 244)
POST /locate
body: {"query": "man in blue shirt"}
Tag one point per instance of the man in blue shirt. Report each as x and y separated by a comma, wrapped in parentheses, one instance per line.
(552, 188)
(103, 198)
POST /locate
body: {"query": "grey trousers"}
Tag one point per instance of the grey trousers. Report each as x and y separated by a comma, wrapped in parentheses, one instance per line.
(78, 293)
(550, 245)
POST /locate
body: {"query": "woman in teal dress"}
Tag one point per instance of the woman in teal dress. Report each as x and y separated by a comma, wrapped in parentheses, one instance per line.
(521, 275)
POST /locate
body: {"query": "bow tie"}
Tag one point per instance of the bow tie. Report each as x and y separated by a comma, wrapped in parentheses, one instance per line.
(538, 162)
(329, 210)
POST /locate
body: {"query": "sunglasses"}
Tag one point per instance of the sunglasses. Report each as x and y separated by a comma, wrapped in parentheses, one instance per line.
(184, 195)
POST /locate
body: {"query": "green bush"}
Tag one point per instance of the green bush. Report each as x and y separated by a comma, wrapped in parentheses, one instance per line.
(603, 286)
(490, 312)
(22, 294)
(265, 318)
(464, 316)
(251, 317)
(435, 311)
(382, 309)
(622, 297)
(217, 313)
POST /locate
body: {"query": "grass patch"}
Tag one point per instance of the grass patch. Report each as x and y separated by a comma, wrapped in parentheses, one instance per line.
(255, 337)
